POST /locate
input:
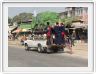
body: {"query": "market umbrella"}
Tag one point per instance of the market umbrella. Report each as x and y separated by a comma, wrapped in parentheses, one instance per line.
(24, 30)
(79, 25)
(17, 31)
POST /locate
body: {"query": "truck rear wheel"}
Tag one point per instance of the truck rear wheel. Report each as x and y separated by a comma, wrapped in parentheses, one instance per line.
(56, 50)
(48, 50)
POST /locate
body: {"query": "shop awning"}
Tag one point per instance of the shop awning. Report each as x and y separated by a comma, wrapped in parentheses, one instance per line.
(79, 25)
(20, 30)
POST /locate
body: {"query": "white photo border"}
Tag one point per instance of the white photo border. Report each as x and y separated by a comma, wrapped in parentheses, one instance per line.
(90, 6)
(49, 73)
(94, 37)
(47, 1)
(0, 37)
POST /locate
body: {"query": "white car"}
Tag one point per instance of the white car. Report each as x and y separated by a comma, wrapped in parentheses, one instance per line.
(38, 43)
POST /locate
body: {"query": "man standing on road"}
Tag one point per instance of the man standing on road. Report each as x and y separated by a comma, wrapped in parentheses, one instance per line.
(73, 38)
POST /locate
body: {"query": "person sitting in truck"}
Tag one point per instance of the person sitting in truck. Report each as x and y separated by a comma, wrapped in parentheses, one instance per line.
(23, 38)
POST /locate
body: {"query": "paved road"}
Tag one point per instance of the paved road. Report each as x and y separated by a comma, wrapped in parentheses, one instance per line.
(18, 57)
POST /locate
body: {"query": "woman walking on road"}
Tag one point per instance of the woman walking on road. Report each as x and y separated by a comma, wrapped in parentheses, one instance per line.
(68, 42)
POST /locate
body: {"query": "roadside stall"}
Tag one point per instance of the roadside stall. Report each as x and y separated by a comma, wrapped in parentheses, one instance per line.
(81, 30)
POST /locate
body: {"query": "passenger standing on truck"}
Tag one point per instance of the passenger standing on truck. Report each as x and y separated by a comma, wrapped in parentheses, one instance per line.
(62, 31)
(49, 34)
(23, 38)
(59, 34)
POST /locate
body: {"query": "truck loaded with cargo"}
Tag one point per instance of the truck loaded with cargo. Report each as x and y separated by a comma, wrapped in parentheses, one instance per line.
(50, 40)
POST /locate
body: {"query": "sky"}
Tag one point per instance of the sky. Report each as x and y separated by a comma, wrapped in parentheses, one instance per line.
(13, 11)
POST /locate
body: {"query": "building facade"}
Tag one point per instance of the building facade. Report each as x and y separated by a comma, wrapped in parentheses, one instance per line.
(80, 12)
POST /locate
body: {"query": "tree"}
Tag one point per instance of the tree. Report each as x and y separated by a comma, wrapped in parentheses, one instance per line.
(22, 17)
(9, 20)
(17, 19)
(47, 16)
(68, 20)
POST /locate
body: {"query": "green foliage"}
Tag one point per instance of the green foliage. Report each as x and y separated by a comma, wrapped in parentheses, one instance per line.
(34, 22)
(9, 20)
(17, 19)
(47, 16)
(25, 26)
(68, 20)
(21, 17)
(41, 19)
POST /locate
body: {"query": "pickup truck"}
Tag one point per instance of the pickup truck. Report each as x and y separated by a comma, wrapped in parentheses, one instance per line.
(41, 45)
